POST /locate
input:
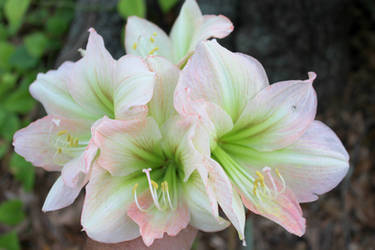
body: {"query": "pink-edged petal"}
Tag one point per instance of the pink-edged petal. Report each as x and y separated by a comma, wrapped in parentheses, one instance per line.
(51, 90)
(311, 166)
(201, 215)
(132, 95)
(161, 104)
(92, 80)
(39, 143)
(214, 74)
(315, 163)
(191, 27)
(74, 172)
(189, 144)
(142, 37)
(227, 198)
(277, 116)
(127, 146)
(60, 196)
(278, 205)
(104, 214)
(154, 223)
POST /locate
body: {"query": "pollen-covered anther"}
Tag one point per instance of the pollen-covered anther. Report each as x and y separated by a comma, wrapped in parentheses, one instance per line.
(62, 132)
(134, 46)
(271, 187)
(152, 39)
(153, 50)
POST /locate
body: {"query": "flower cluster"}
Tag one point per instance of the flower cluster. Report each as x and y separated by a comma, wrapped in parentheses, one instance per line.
(176, 130)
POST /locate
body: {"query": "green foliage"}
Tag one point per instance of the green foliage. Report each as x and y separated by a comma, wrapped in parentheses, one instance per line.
(167, 5)
(14, 12)
(128, 8)
(22, 60)
(9, 241)
(11, 212)
(6, 50)
(9, 124)
(59, 23)
(36, 44)
(23, 171)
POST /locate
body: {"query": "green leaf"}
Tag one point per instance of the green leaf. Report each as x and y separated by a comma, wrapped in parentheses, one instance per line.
(19, 101)
(11, 212)
(3, 149)
(6, 50)
(7, 81)
(9, 241)
(59, 23)
(128, 8)
(14, 12)
(3, 32)
(37, 17)
(36, 44)
(167, 5)
(9, 125)
(23, 171)
(22, 60)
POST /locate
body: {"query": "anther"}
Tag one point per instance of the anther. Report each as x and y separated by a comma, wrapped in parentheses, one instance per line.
(153, 50)
(59, 150)
(154, 34)
(152, 39)
(62, 132)
(134, 46)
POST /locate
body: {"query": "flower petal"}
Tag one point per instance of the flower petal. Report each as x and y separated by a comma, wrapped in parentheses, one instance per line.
(228, 199)
(311, 166)
(214, 74)
(132, 94)
(60, 196)
(127, 146)
(92, 80)
(277, 116)
(38, 142)
(52, 91)
(161, 104)
(191, 28)
(104, 214)
(154, 223)
(201, 215)
(281, 208)
(142, 37)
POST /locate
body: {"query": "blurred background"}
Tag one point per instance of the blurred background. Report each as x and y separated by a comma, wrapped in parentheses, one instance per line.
(334, 38)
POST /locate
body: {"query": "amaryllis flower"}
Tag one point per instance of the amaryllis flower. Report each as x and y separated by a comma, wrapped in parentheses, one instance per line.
(145, 38)
(263, 136)
(144, 181)
(74, 97)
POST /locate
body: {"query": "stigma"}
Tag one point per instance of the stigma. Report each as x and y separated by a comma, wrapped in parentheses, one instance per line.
(161, 197)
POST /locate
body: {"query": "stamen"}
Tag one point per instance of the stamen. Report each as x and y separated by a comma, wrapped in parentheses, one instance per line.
(282, 180)
(152, 39)
(151, 187)
(168, 196)
(69, 137)
(267, 170)
(153, 50)
(136, 199)
(134, 46)
(59, 150)
(154, 34)
(62, 132)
